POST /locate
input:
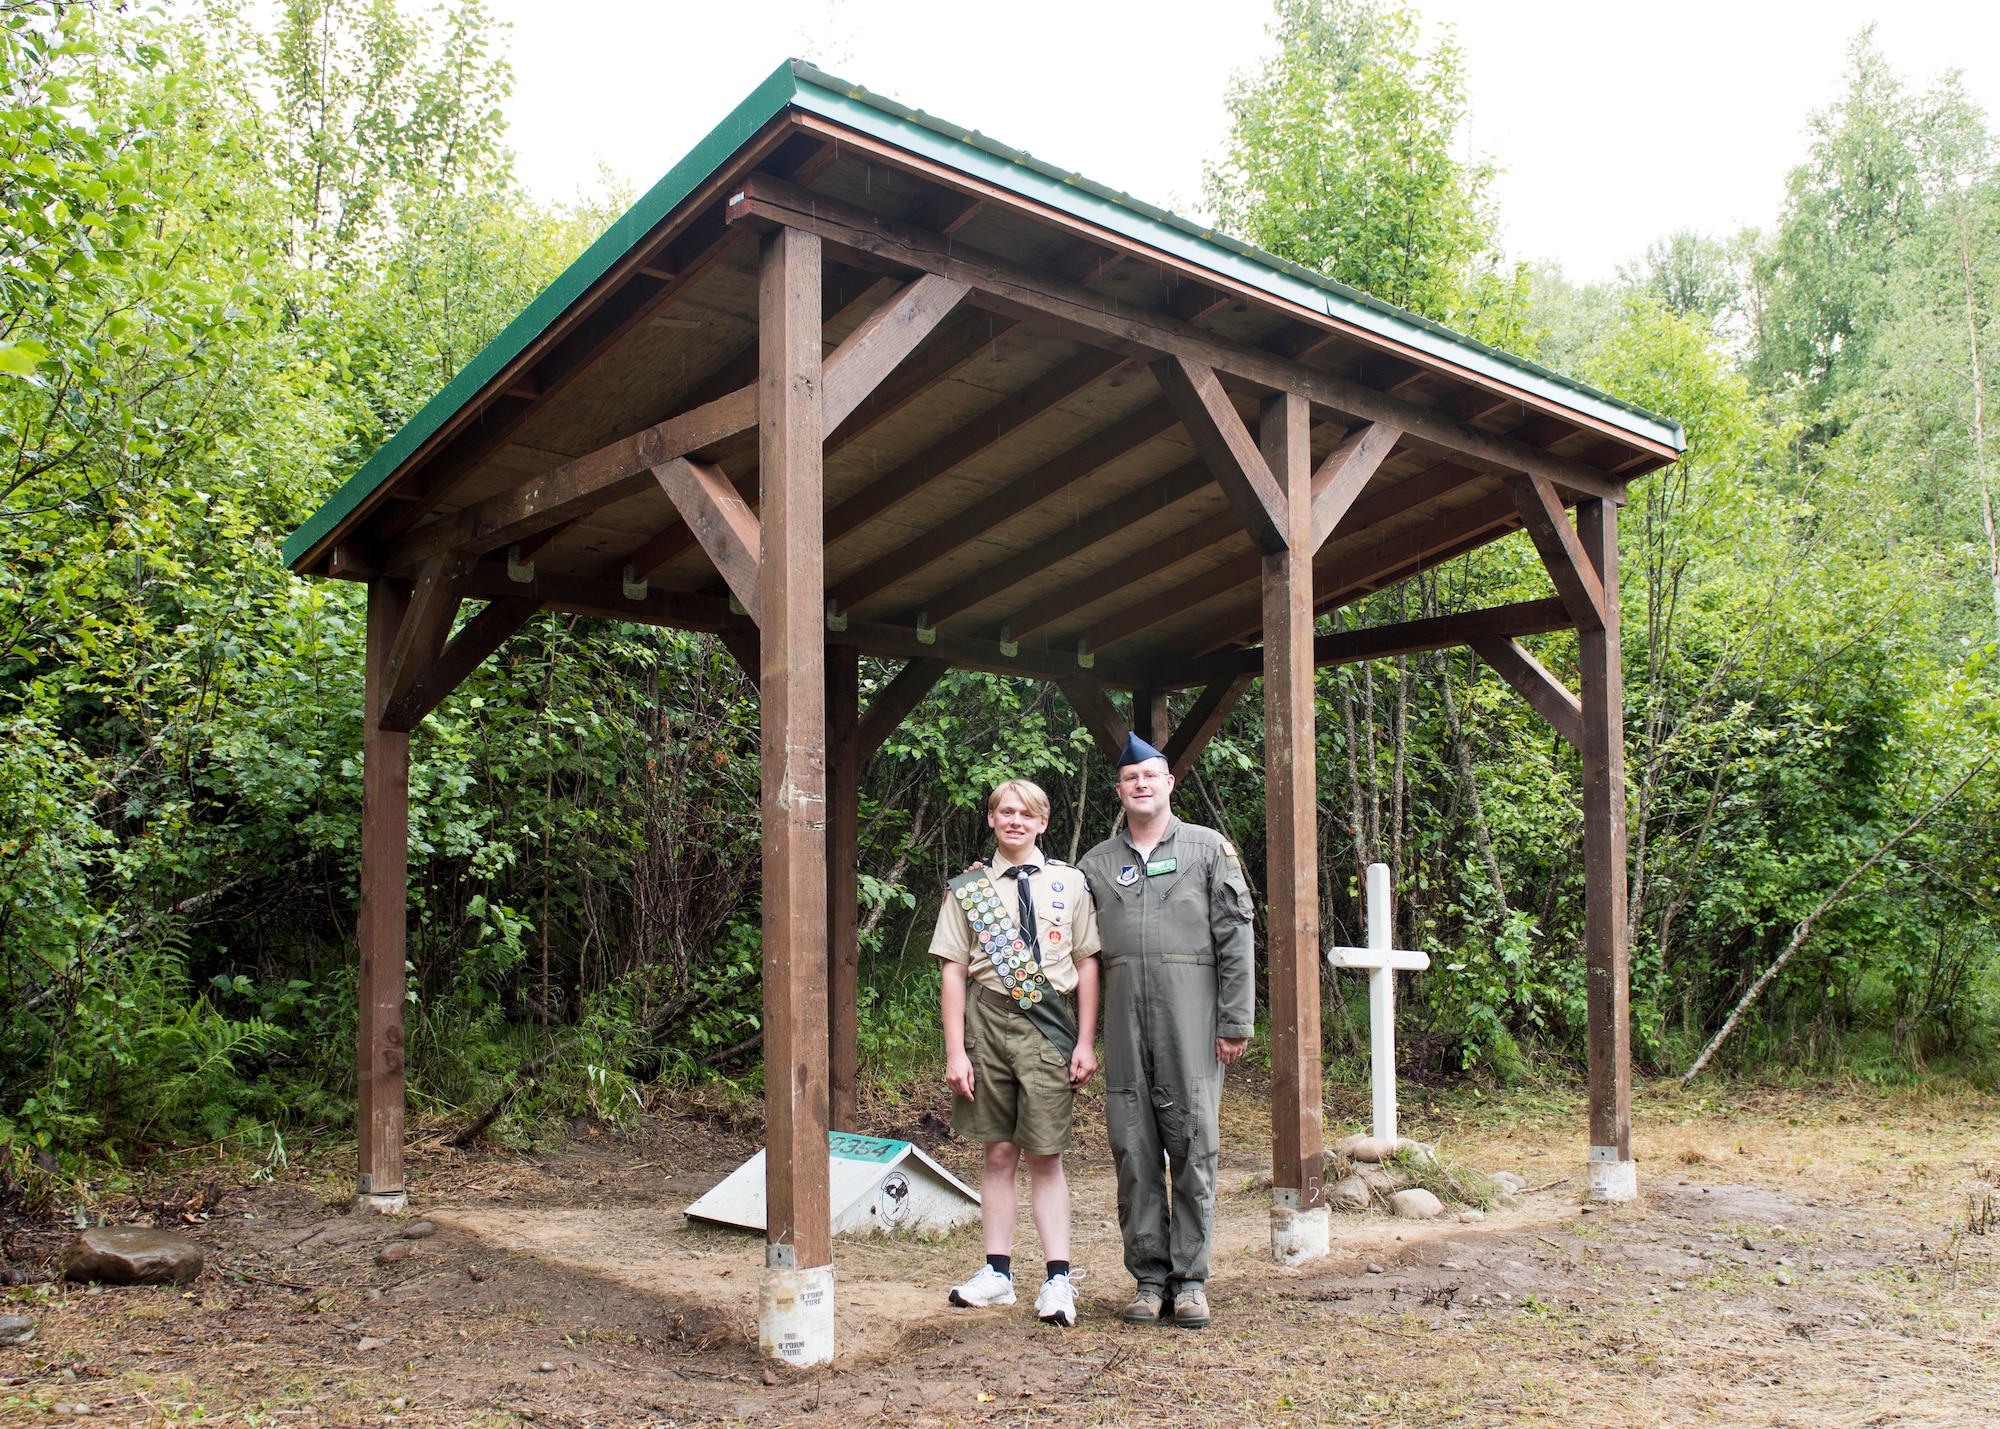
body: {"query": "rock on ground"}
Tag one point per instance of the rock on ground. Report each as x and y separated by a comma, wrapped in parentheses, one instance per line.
(1350, 1193)
(1510, 1181)
(16, 1329)
(131, 1255)
(1366, 1148)
(1416, 1204)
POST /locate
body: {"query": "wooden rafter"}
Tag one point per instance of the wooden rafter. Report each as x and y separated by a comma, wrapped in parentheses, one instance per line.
(1088, 456)
(1168, 551)
(1100, 525)
(761, 201)
(952, 451)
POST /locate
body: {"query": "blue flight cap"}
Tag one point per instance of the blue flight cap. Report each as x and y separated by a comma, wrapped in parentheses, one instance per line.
(1137, 751)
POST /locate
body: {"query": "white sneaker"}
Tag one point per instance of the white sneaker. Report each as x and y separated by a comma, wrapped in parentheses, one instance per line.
(988, 1287)
(1056, 1305)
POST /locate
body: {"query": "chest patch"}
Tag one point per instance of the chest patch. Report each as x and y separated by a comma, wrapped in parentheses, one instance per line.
(1056, 888)
(1161, 865)
(1128, 875)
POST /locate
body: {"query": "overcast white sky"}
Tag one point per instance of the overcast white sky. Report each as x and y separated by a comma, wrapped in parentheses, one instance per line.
(1614, 123)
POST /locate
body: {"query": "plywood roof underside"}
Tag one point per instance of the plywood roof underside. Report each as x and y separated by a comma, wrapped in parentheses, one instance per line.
(1010, 480)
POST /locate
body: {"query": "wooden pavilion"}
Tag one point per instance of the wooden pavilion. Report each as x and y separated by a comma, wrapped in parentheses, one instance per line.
(851, 380)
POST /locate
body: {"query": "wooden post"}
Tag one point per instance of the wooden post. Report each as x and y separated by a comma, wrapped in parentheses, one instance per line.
(1298, 1208)
(382, 923)
(843, 871)
(1611, 1174)
(1149, 717)
(795, 1300)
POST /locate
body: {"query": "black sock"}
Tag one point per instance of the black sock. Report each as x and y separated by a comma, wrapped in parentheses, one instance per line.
(1002, 1263)
(1058, 1267)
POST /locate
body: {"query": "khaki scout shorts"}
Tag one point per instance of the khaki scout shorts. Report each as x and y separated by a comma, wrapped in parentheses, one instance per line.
(1020, 1082)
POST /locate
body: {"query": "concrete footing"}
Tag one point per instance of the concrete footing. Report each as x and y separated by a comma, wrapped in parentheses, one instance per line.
(377, 1203)
(1609, 1179)
(1298, 1235)
(795, 1314)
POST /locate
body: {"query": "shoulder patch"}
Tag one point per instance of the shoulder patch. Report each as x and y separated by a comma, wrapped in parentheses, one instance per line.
(1229, 848)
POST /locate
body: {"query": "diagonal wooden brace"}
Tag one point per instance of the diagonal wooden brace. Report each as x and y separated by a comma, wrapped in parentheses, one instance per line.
(887, 336)
(434, 602)
(1199, 725)
(889, 708)
(1345, 473)
(1549, 697)
(1548, 526)
(1098, 714)
(721, 523)
(1218, 433)
(485, 633)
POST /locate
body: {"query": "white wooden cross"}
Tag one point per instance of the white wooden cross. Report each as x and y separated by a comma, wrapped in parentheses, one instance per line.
(1383, 963)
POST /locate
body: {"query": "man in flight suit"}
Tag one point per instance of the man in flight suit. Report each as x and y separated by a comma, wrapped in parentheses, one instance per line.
(1173, 922)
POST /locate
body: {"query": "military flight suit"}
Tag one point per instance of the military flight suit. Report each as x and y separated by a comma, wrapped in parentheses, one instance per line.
(1174, 927)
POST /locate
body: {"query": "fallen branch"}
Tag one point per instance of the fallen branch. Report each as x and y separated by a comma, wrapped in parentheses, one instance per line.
(748, 1044)
(1804, 928)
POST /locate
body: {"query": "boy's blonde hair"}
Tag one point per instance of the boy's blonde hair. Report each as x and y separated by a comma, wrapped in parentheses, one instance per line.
(1032, 796)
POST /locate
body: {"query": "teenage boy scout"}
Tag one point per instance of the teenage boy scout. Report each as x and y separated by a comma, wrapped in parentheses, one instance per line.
(1173, 915)
(1023, 930)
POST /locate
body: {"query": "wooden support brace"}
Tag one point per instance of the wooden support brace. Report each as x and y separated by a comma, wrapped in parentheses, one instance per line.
(1531, 679)
(1345, 473)
(1203, 719)
(891, 706)
(1098, 714)
(485, 633)
(743, 647)
(1225, 444)
(721, 523)
(434, 604)
(1149, 717)
(887, 336)
(1548, 526)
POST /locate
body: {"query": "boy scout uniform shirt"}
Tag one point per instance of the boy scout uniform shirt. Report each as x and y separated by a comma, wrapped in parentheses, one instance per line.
(1065, 924)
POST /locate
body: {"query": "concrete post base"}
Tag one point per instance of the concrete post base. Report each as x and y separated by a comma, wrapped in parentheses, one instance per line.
(1609, 1179)
(795, 1315)
(392, 1203)
(1298, 1235)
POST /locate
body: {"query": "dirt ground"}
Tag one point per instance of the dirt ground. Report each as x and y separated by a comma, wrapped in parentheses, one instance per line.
(1798, 1258)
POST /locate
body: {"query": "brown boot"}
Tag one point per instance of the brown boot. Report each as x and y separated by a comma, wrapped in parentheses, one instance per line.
(1191, 1307)
(1146, 1306)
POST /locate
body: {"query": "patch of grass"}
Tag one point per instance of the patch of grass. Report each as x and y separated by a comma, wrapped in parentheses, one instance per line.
(1452, 1181)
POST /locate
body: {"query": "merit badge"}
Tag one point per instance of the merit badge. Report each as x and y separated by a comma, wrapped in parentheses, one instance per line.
(1019, 946)
(1127, 876)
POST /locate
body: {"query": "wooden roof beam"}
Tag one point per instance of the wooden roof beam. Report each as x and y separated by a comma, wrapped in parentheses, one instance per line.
(1409, 637)
(761, 202)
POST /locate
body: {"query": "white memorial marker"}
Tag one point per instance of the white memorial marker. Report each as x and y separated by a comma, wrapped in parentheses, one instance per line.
(1383, 963)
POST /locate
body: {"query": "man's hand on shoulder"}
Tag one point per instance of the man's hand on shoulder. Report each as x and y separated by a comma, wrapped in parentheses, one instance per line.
(1228, 1049)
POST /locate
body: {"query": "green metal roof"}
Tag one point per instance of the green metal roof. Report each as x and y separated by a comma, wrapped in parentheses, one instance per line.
(798, 84)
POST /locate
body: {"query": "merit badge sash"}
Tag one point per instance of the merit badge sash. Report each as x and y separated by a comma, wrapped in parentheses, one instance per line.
(990, 911)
